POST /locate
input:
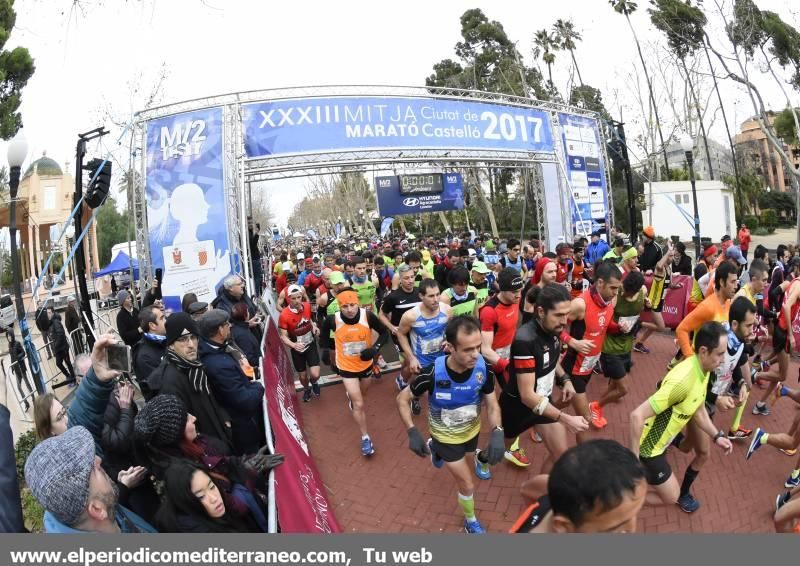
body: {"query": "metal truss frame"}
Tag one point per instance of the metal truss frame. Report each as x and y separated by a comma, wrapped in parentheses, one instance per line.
(240, 172)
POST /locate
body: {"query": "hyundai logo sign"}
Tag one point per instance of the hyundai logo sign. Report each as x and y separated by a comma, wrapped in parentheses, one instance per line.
(410, 201)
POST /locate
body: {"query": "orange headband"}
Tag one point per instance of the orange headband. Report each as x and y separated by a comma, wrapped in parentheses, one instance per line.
(347, 297)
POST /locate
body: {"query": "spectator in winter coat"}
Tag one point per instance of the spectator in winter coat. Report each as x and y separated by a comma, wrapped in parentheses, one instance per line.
(11, 509)
(596, 249)
(232, 292)
(117, 443)
(87, 408)
(66, 477)
(244, 339)
(72, 320)
(60, 347)
(241, 397)
(147, 353)
(128, 319)
(181, 374)
(17, 353)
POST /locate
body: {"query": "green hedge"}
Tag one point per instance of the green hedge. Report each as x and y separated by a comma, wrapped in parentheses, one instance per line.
(769, 218)
(32, 512)
(752, 222)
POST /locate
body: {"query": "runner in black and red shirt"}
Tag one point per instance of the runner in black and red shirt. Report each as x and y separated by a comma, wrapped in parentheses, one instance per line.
(499, 318)
(533, 373)
(297, 328)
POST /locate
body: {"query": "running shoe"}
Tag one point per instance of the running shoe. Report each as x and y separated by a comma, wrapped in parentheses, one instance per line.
(598, 421)
(481, 469)
(740, 433)
(473, 527)
(792, 480)
(306, 395)
(641, 348)
(762, 410)
(789, 451)
(688, 503)
(536, 437)
(381, 362)
(755, 444)
(315, 389)
(518, 458)
(436, 460)
(398, 381)
(416, 408)
(367, 449)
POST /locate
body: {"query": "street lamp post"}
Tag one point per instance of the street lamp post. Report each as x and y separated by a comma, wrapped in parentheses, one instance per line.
(17, 151)
(70, 234)
(688, 145)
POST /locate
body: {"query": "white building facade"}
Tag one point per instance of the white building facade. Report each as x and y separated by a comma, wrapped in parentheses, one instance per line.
(669, 209)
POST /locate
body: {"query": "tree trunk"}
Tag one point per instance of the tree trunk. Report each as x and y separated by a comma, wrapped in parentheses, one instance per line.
(696, 104)
(727, 128)
(444, 221)
(575, 63)
(650, 91)
(473, 176)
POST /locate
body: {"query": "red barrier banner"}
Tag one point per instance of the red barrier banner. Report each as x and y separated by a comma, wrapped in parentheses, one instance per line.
(675, 301)
(301, 498)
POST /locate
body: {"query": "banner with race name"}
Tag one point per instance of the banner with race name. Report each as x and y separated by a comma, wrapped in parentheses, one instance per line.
(321, 124)
(302, 499)
(587, 176)
(186, 213)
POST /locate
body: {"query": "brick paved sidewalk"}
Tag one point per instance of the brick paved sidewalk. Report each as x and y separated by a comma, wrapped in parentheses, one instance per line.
(396, 491)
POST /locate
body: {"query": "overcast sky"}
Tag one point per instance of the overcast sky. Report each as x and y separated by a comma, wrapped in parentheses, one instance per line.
(92, 54)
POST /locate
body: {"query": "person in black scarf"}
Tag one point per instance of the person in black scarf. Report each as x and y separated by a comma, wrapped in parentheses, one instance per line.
(182, 375)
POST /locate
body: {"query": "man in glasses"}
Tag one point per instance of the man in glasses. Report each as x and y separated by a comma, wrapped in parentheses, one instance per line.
(181, 374)
(227, 370)
(513, 259)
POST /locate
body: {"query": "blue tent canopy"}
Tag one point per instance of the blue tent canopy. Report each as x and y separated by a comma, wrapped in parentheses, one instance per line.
(121, 262)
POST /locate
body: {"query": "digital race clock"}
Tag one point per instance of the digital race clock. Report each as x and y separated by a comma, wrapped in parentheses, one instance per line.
(421, 184)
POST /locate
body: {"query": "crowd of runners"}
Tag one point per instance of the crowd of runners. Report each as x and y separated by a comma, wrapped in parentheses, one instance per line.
(519, 331)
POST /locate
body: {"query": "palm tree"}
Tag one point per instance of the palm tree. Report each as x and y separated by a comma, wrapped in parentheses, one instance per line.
(544, 46)
(626, 8)
(566, 36)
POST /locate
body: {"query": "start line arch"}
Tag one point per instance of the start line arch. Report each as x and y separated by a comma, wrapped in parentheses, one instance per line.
(197, 160)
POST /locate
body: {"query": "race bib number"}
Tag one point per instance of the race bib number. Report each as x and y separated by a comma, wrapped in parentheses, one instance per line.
(306, 338)
(588, 363)
(544, 383)
(459, 416)
(431, 346)
(354, 348)
(504, 353)
(626, 323)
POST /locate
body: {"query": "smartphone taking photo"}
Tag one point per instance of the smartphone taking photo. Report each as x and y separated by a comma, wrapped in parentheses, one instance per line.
(119, 357)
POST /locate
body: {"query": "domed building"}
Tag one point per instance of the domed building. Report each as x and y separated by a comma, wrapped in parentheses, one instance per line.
(44, 205)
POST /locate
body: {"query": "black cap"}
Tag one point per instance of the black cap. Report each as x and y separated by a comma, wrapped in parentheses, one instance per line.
(509, 279)
(178, 324)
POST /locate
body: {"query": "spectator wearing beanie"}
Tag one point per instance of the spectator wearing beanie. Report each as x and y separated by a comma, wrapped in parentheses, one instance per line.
(66, 477)
(238, 394)
(165, 432)
(181, 374)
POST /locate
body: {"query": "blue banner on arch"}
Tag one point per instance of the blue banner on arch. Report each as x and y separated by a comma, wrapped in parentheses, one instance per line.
(307, 125)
